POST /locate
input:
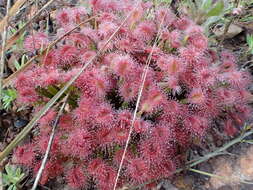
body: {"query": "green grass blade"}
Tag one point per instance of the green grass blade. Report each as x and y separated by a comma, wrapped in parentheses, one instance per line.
(217, 9)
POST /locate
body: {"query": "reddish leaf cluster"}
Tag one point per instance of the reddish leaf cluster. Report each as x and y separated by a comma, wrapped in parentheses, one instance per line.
(188, 87)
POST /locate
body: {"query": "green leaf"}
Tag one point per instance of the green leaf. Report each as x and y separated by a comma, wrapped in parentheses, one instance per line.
(6, 180)
(15, 180)
(23, 59)
(13, 30)
(9, 170)
(206, 5)
(17, 65)
(18, 172)
(217, 10)
(21, 176)
(248, 141)
(52, 89)
(11, 93)
(8, 97)
(13, 176)
(11, 187)
(249, 40)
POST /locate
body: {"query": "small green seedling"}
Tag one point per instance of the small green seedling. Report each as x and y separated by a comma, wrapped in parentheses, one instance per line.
(8, 96)
(12, 177)
(202, 10)
(23, 61)
(20, 41)
(205, 12)
(249, 40)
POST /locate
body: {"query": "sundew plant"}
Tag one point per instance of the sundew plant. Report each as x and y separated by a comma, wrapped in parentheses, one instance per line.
(187, 89)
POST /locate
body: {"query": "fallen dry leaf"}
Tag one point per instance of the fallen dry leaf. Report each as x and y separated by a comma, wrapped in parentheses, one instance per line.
(223, 169)
(246, 164)
(233, 172)
(233, 30)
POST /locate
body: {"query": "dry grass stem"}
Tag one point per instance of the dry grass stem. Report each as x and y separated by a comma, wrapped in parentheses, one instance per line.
(2, 60)
(14, 9)
(143, 79)
(51, 138)
(12, 40)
